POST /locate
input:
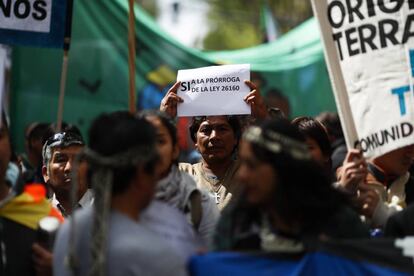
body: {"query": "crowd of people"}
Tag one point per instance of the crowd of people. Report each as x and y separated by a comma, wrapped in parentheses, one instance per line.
(127, 206)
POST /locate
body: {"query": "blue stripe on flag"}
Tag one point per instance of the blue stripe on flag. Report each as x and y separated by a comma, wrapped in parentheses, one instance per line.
(310, 264)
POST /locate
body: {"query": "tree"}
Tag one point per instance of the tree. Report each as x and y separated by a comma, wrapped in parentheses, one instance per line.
(237, 24)
(149, 5)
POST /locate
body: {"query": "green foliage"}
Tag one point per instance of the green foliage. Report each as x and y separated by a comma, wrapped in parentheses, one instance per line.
(149, 6)
(237, 24)
(232, 36)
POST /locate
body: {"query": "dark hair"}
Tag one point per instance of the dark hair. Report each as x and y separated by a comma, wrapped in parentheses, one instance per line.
(165, 119)
(332, 123)
(117, 132)
(233, 121)
(258, 79)
(275, 92)
(60, 140)
(303, 192)
(52, 129)
(36, 131)
(312, 128)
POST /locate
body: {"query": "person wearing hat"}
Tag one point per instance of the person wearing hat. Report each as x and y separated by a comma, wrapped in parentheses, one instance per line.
(59, 154)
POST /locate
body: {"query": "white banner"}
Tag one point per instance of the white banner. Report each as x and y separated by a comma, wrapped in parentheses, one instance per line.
(214, 90)
(26, 15)
(370, 55)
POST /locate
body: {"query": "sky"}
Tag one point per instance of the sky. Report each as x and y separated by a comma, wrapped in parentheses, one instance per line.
(190, 26)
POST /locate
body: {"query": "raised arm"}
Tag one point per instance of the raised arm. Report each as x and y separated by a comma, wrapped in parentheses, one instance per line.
(255, 100)
(170, 101)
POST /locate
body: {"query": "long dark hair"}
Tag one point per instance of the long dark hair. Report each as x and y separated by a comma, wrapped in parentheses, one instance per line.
(303, 193)
(111, 136)
(165, 119)
(312, 128)
(116, 133)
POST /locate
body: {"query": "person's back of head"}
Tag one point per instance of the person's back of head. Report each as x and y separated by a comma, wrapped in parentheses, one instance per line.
(122, 170)
(333, 125)
(112, 135)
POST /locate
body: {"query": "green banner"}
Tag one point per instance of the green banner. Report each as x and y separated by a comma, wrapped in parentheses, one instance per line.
(98, 68)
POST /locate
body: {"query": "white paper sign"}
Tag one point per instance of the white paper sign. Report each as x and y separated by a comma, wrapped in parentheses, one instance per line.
(26, 15)
(214, 90)
(369, 49)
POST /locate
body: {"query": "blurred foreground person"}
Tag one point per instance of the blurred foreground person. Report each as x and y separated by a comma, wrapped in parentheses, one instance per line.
(287, 198)
(110, 238)
(21, 209)
(177, 188)
(401, 224)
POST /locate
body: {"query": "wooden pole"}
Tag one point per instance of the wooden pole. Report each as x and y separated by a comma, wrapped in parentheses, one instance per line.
(335, 74)
(64, 73)
(131, 60)
(62, 90)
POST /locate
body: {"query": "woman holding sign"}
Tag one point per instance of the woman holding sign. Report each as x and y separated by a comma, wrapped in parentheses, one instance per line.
(216, 138)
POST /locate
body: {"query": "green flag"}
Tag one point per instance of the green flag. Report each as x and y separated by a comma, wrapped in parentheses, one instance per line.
(98, 68)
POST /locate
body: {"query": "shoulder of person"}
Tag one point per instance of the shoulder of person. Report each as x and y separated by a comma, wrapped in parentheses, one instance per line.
(400, 224)
(202, 208)
(348, 224)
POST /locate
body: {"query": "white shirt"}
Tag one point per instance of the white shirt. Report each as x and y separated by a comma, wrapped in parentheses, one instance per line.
(86, 200)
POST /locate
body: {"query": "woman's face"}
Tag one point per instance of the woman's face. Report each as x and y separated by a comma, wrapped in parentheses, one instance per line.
(316, 151)
(167, 151)
(258, 177)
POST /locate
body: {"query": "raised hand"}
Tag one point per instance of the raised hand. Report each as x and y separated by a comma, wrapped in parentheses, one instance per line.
(170, 101)
(353, 172)
(255, 100)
